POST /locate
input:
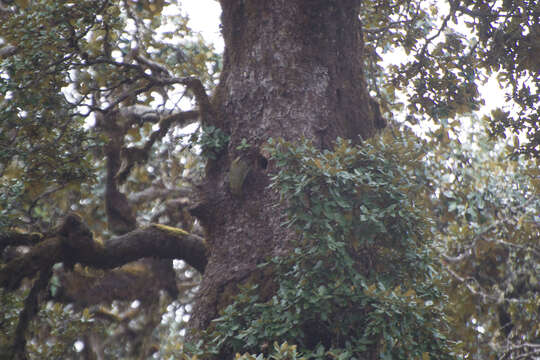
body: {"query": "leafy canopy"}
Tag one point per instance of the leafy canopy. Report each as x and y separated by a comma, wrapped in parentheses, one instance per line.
(441, 52)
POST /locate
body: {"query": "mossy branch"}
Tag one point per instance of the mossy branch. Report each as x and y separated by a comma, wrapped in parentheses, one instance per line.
(73, 243)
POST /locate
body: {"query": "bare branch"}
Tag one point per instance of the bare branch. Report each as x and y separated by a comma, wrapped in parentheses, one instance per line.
(128, 94)
(196, 86)
(533, 349)
(139, 114)
(480, 292)
(139, 155)
(154, 192)
(157, 68)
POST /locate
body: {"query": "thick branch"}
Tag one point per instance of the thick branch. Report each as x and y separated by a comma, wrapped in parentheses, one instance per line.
(156, 241)
(121, 217)
(141, 280)
(31, 307)
(16, 238)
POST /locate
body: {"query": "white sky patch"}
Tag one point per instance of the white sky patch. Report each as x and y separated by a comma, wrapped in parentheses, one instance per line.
(78, 345)
(204, 17)
(492, 94)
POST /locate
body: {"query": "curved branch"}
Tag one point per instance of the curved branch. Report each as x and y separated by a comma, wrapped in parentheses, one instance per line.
(207, 113)
(74, 244)
(158, 241)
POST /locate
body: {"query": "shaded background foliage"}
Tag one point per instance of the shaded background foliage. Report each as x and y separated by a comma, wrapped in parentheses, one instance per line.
(66, 64)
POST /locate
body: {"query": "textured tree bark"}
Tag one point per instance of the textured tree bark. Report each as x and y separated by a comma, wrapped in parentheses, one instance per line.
(292, 69)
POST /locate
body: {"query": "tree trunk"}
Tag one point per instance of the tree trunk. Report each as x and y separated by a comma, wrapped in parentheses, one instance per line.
(292, 69)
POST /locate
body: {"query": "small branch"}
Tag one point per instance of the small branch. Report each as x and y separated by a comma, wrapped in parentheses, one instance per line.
(391, 25)
(108, 315)
(485, 296)
(44, 195)
(195, 85)
(529, 346)
(139, 114)
(441, 29)
(138, 155)
(474, 13)
(154, 192)
(127, 95)
(118, 64)
(156, 67)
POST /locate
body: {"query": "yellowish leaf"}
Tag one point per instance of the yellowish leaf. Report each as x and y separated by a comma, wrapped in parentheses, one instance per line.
(22, 3)
(135, 134)
(410, 293)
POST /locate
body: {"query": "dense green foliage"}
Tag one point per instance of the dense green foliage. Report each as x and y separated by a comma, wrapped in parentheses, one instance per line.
(362, 272)
(486, 207)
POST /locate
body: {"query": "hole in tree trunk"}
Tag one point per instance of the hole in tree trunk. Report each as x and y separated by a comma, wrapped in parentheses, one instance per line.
(262, 162)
